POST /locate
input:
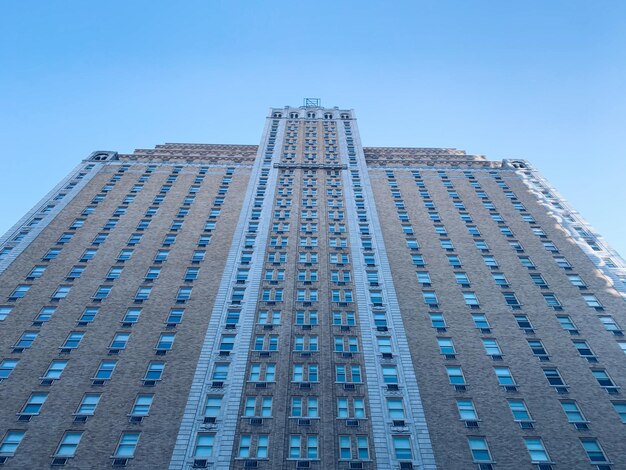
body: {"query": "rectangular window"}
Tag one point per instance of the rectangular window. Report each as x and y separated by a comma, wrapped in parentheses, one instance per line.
(6, 367)
(127, 445)
(88, 404)
(105, 370)
(536, 450)
(34, 403)
(142, 405)
(69, 443)
(479, 449)
(10, 442)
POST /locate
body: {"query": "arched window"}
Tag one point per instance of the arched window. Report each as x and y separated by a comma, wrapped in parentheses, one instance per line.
(277, 115)
(311, 115)
(328, 116)
(293, 115)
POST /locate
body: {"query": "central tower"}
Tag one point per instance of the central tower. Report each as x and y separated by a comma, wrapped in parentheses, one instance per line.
(306, 356)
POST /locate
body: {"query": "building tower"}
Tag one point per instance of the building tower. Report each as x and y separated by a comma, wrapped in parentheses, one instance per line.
(309, 303)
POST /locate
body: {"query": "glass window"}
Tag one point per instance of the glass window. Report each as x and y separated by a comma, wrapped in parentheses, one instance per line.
(479, 449)
(536, 450)
(127, 445)
(11, 442)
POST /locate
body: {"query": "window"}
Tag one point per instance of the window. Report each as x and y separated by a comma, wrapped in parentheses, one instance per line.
(152, 274)
(500, 279)
(61, 292)
(88, 404)
(539, 280)
(481, 322)
(610, 325)
(69, 443)
(102, 292)
(127, 445)
(620, 408)
(562, 262)
(492, 348)
(6, 367)
(19, 292)
(4, 312)
(479, 449)
(554, 377)
(604, 380)
(538, 349)
(11, 442)
(114, 273)
(552, 301)
(161, 256)
(462, 279)
(511, 299)
(467, 412)
(454, 261)
(536, 450)
(184, 294)
(446, 346)
(584, 350)
(402, 447)
(490, 261)
(503, 374)
(594, 450)
(470, 299)
(75, 273)
(204, 445)
(132, 315)
(36, 272)
(519, 410)
(592, 301)
(567, 324)
(51, 254)
(125, 254)
(34, 403)
(87, 255)
(26, 340)
(306, 407)
(455, 375)
(390, 374)
(527, 262)
(155, 370)
(576, 280)
(55, 369)
(105, 370)
(142, 404)
(430, 298)
(143, 293)
(573, 413)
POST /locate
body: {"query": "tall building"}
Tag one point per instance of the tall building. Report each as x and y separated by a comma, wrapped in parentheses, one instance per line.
(309, 303)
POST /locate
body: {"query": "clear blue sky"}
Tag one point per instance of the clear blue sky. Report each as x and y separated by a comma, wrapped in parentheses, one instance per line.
(535, 79)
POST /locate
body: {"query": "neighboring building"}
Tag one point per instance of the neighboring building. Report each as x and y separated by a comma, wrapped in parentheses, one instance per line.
(309, 303)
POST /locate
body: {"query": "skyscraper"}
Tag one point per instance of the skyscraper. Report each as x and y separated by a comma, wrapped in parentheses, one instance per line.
(309, 303)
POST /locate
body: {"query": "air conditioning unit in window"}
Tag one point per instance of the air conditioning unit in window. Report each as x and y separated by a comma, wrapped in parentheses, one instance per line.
(460, 388)
(526, 425)
(209, 420)
(349, 386)
(303, 464)
(304, 422)
(392, 387)
(120, 462)
(251, 464)
(256, 421)
(510, 388)
(305, 385)
(217, 384)
(352, 422)
(47, 381)
(406, 465)
(59, 461)
(135, 419)
(97, 382)
(260, 385)
(356, 465)
(200, 463)
(471, 424)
